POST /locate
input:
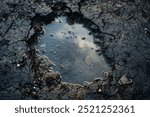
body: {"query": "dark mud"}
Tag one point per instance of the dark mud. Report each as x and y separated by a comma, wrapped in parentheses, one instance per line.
(120, 29)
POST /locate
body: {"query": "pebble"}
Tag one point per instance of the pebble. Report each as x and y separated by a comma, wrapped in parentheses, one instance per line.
(119, 5)
(69, 32)
(18, 65)
(86, 83)
(124, 80)
(98, 79)
(83, 38)
(51, 35)
(99, 90)
(43, 50)
(98, 50)
(34, 94)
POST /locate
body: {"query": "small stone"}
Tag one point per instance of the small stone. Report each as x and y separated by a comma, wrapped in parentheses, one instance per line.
(52, 78)
(98, 50)
(71, 37)
(119, 5)
(83, 38)
(67, 37)
(69, 32)
(124, 80)
(99, 90)
(86, 83)
(145, 30)
(107, 74)
(94, 87)
(98, 79)
(97, 8)
(43, 50)
(18, 65)
(34, 94)
(51, 35)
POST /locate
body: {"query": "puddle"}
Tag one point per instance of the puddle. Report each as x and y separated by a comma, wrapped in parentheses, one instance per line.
(71, 49)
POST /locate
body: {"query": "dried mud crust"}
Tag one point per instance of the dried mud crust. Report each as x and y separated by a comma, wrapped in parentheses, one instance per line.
(121, 28)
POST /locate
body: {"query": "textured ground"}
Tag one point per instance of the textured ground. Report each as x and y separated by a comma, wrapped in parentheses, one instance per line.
(125, 43)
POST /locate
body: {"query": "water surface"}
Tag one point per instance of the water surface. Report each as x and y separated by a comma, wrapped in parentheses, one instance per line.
(71, 49)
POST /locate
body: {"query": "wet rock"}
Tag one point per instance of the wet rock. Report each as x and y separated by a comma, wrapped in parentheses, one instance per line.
(52, 78)
(44, 61)
(124, 80)
(107, 75)
(98, 50)
(94, 87)
(43, 9)
(98, 79)
(86, 83)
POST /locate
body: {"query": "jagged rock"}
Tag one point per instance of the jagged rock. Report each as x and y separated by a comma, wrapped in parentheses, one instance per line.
(52, 78)
(124, 80)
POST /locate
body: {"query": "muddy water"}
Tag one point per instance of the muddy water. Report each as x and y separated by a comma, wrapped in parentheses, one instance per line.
(71, 49)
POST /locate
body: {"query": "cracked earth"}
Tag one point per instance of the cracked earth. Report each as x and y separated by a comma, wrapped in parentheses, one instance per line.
(120, 27)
